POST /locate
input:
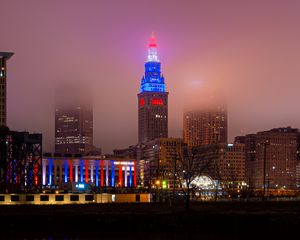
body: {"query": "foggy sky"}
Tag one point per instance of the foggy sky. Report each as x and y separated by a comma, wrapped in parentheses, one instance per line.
(248, 50)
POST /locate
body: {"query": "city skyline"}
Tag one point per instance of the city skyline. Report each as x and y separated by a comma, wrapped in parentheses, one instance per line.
(221, 52)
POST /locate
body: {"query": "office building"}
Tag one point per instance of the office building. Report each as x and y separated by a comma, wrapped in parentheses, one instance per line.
(4, 56)
(73, 121)
(272, 158)
(205, 126)
(158, 160)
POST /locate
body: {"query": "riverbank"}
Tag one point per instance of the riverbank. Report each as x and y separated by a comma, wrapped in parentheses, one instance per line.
(206, 220)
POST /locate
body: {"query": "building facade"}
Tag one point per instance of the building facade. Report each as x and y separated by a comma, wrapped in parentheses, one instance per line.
(64, 172)
(4, 56)
(222, 162)
(159, 158)
(73, 123)
(202, 127)
(152, 99)
(272, 158)
(130, 152)
(20, 161)
(231, 163)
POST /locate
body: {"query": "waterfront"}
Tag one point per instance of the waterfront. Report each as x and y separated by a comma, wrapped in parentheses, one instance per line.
(208, 220)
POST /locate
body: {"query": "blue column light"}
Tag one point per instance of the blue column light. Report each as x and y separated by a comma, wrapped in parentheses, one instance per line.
(130, 175)
(66, 170)
(15, 171)
(97, 173)
(81, 170)
(112, 170)
(50, 164)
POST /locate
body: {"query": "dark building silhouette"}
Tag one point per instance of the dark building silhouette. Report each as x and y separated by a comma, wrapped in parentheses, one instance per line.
(20, 161)
(130, 152)
(4, 56)
(152, 99)
(73, 121)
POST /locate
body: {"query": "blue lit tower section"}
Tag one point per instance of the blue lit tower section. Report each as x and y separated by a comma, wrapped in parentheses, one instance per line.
(152, 99)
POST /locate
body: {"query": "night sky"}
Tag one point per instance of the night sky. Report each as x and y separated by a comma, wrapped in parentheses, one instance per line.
(246, 50)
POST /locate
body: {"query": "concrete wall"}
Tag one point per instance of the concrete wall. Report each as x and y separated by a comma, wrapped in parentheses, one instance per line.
(48, 199)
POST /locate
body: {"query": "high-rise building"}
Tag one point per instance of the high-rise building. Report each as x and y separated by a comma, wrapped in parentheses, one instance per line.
(152, 99)
(272, 158)
(73, 122)
(206, 126)
(4, 56)
(158, 161)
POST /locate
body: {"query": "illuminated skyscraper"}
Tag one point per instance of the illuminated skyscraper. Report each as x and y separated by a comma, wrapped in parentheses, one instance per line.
(152, 99)
(205, 126)
(73, 121)
(4, 56)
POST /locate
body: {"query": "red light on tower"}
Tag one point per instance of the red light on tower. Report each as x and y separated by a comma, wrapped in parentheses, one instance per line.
(157, 101)
(142, 102)
(152, 42)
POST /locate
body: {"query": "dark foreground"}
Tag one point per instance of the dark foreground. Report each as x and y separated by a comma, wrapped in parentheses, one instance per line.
(206, 220)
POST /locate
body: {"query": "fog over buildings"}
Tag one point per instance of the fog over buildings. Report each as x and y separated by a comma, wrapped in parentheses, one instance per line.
(249, 52)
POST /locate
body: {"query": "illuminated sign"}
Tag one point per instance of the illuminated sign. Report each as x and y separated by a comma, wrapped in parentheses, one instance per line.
(124, 163)
(80, 186)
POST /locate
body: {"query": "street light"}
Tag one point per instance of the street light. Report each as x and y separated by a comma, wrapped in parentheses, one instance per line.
(157, 182)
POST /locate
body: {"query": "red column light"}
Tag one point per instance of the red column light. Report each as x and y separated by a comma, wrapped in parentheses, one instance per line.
(86, 171)
(71, 170)
(102, 173)
(120, 175)
(35, 172)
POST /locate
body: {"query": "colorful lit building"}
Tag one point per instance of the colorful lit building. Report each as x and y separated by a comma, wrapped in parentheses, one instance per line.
(152, 99)
(4, 56)
(64, 172)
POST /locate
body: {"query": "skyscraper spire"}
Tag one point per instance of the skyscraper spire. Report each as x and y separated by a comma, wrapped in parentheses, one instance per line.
(152, 81)
(152, 49)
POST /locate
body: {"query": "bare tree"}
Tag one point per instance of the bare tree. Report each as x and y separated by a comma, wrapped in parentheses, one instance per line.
(193, 163)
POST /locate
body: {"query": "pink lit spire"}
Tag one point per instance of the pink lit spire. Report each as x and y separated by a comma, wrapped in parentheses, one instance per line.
(152, 49)
(152, 42)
